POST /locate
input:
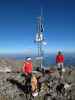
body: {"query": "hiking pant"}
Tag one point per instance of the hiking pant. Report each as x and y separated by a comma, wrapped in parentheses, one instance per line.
(28, 78)
(60, 67)
(28, 83)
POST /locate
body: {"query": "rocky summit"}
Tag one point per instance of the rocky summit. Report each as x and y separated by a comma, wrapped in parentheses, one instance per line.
(12, 84)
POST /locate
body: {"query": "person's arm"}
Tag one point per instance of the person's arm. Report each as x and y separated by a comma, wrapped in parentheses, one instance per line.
(56, 59)
(62, 58)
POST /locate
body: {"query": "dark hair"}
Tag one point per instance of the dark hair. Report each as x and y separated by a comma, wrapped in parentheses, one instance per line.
(59, 53)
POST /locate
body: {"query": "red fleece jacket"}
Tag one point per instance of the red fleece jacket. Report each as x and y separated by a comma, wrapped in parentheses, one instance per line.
(59, 58)
(27, 67)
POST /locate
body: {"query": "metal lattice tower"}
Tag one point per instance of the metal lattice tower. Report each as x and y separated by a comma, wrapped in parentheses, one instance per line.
(40, 39)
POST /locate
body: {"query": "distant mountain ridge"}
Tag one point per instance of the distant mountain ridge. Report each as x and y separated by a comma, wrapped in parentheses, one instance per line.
(48, 58)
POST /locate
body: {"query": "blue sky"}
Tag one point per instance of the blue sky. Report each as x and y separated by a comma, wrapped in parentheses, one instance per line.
(18, 25)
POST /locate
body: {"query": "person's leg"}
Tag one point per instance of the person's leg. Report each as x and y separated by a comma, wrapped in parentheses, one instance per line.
(28, 84)
(62, 65)
(62, 68)
(58, 65)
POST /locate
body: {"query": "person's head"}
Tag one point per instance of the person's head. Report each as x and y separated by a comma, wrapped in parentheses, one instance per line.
(59, 53)
(28, 59)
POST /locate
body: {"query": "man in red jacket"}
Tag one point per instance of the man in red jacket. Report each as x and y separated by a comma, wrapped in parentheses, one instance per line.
(31, 81)
(60, 62)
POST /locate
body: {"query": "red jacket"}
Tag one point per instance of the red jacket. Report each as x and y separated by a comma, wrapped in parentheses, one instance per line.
(27, 67)
(59, 58)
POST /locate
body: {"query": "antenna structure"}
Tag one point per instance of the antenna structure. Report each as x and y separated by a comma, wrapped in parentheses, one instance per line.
(40, 38)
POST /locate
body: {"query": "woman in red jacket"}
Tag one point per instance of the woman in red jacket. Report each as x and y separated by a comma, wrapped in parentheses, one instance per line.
(60, 59)
(60, 62)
